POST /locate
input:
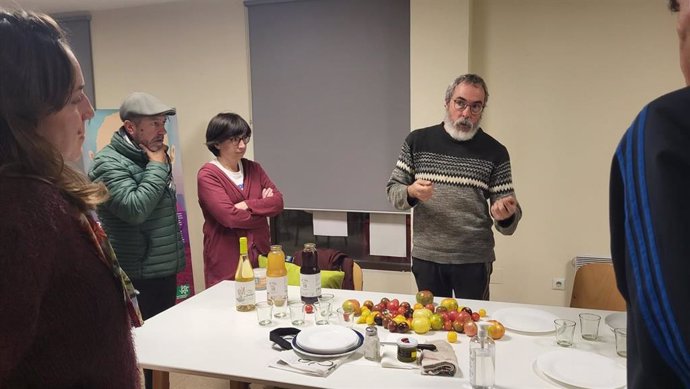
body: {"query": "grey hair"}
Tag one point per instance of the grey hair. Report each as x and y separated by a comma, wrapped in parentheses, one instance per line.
(467, 79)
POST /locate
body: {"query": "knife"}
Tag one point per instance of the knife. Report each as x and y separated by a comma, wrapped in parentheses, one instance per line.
(421, 346)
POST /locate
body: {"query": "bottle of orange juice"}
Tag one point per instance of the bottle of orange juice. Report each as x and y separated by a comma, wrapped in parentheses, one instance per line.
(276, 280)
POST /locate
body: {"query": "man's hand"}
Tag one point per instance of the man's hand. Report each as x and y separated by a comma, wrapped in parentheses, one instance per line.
(421, 190)
(241, 205)
(504, 208)
(266, 192)
(158, 155)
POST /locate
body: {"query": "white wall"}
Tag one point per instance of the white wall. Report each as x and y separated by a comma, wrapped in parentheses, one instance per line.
(566, 78)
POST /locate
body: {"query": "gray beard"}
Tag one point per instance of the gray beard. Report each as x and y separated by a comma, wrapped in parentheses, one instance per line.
(457, 132)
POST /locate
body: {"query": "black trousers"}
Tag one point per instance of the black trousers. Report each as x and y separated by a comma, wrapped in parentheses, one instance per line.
(155, 296)
(468, 281)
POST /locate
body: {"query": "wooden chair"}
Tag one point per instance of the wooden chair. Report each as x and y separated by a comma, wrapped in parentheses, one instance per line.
(595, 288)
(357, 276)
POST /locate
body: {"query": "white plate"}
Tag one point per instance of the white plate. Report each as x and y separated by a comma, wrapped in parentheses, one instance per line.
(308, 354)
(327, 339)
(582, 369)
(526, 319)
(300, 351)
(617, 320)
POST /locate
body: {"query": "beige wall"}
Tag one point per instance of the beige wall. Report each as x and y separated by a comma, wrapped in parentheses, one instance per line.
(566, 78)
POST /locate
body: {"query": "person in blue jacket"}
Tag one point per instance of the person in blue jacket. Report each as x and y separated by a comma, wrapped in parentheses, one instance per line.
(650, 231)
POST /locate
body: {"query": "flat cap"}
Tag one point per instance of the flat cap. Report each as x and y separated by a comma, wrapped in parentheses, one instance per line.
(143, 104)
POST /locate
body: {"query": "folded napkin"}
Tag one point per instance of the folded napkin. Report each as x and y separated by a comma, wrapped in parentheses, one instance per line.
(290, 361)
(389, 358)
(440, 362)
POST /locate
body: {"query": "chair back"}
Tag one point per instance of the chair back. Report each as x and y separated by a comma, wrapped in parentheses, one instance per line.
(595, 288)
(357, 278)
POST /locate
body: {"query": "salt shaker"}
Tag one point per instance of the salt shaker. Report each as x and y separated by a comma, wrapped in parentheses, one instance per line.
(372, 345)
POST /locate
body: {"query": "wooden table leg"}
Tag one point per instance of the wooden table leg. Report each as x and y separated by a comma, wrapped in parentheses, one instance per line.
(161, 379)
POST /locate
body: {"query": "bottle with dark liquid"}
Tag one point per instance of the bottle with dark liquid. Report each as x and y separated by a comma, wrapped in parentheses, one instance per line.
(310, 275)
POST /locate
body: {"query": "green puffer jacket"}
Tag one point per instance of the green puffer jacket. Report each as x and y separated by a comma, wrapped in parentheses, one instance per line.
(140, 217)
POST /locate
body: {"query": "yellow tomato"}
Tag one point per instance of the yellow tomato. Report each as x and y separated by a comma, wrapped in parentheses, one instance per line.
(452, 336)
(482, 312)
(370, 319)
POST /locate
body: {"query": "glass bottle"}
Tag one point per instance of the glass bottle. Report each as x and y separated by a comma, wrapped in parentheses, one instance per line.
(310, 275)
(372, 345)
(482, 360)
(276, 281)
(245, 292)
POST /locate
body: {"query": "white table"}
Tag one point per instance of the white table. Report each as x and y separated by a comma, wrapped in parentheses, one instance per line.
(206, 336)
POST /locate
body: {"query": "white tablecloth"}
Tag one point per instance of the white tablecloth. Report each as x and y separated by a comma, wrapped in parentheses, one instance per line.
(205, 335)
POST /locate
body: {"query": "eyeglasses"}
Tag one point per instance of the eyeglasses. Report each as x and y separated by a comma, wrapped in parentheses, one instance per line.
(236, 139)
(475, 107)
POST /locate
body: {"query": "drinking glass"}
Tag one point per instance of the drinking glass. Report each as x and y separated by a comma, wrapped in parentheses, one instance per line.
(264, 312)
(565, 329)
(621, 341)
(297, 312)
(346, 317)
(322, 312)
(589, 326)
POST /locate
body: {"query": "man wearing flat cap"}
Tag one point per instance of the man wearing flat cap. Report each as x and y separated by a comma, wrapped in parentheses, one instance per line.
(140, 217)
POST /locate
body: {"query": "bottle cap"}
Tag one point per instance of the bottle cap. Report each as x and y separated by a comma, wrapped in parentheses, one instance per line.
(371, 331)
(243, 245)
(482, 330)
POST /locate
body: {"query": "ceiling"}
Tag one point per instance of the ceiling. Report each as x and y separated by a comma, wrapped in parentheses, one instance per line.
(60, 6)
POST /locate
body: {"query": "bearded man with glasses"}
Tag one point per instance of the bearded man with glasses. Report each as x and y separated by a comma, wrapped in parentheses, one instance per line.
(459, 182)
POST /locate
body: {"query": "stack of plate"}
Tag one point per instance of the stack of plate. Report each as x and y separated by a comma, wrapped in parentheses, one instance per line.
(327, 341)
(617, 320)
(582, 369)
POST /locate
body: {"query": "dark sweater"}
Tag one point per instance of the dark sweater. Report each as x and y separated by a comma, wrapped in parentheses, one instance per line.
(63, 319)
(649, 214)
(454, 225)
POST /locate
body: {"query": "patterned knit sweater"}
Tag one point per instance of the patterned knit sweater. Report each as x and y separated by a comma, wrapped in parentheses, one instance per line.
(454, 225)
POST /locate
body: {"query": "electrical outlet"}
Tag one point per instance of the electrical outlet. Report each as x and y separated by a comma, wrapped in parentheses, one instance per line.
(558, 283)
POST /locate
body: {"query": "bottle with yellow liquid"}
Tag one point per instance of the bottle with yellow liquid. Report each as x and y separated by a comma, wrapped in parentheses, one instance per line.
(276, 281)
(245, 292)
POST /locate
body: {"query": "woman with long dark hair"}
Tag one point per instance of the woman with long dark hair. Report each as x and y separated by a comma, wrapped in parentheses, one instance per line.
(65, 304)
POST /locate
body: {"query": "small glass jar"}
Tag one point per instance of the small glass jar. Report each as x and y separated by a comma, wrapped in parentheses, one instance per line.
(372, 345)
(407, 349)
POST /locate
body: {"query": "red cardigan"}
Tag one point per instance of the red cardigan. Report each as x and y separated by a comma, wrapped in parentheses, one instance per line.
(64, 321)
(224, 224)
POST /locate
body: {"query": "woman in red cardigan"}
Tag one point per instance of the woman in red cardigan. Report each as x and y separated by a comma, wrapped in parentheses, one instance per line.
(236, 197)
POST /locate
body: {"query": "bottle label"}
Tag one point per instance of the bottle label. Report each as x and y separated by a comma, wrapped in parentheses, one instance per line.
(245, 292)
(310, 285)
(276, 290)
